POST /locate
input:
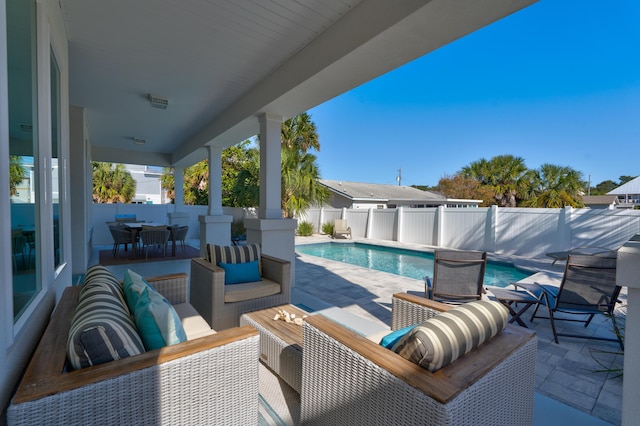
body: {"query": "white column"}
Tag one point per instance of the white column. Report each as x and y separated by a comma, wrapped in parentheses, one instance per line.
(215, 181)
(215, 227)
(275, 234)
(628, 274)
(270, 167)
(178, 191)
(178, 216)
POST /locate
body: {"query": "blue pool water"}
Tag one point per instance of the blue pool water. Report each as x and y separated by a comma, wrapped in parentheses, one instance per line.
(407, 263)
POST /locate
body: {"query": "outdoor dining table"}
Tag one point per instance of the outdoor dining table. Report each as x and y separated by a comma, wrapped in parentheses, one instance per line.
(135, 227)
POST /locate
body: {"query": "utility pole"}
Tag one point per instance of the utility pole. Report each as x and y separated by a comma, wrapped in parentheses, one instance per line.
(399, 178)
(589, 187)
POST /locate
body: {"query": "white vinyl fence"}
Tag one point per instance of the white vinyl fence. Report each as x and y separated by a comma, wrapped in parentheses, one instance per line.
(516, 231)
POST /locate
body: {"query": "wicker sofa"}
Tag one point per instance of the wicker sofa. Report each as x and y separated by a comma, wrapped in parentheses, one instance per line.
(222, 305)
(348, 379)
(205, 380)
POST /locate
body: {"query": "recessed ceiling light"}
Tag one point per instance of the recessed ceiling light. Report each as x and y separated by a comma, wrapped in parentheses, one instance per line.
(158, 101)
(139, 141)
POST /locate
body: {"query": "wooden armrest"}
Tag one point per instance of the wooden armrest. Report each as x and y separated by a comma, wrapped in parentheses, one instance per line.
(444, 384)
(45, 374)
(423, 301)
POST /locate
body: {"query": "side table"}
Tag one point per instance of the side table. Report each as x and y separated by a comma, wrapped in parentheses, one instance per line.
(510, 297)
(280, 342)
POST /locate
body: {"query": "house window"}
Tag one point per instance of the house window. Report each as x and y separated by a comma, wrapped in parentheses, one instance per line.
(23, 161)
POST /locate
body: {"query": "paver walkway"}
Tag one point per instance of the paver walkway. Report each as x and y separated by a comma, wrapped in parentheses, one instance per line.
(566, 372)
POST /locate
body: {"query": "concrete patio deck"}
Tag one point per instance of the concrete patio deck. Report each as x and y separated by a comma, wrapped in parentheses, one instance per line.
(569, 390)
(566, 373)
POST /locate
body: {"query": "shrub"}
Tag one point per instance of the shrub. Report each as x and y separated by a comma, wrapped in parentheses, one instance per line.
(327, 228)
(305, 229)
(237, 228)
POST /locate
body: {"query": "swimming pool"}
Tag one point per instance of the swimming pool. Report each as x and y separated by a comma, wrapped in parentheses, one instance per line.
(407, 263)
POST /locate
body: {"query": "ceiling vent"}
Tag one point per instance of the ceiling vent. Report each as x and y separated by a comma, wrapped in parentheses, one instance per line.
(26, 127)
(158, 101)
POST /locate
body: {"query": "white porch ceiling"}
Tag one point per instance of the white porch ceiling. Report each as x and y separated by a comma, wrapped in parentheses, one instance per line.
(222, 63)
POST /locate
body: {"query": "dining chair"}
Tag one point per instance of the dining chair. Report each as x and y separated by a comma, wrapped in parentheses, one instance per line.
(156, 238)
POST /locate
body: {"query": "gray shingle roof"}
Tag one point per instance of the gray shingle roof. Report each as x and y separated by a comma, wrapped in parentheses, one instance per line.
(599, 199)
(374, 191)
(631, 187)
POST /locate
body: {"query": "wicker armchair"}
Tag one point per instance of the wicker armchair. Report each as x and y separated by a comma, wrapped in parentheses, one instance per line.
(348, 379)
(207, 380)
(208, 291)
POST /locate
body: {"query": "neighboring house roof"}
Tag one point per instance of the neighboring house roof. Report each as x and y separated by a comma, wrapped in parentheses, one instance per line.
(358, 191)
(590, 200)
(631, 187)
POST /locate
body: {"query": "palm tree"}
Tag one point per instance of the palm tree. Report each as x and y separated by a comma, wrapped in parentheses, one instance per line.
(300, 174)
(112, 184)
(17, 173)
(556, 186)
(506, 175)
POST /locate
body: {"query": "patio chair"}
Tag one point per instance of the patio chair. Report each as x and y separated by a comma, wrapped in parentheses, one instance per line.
(457, 276)
(156, 238)
(221, 303)
(121, 236)
(581, 251)
(349, 379)
(588, 288)
(340, 228)
(181, 236)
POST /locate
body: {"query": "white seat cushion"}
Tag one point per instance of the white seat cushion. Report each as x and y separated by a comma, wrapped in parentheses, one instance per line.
(248, 291)
(194, 325)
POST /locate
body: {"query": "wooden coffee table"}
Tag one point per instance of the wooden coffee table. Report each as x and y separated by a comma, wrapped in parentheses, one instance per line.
(280, 342)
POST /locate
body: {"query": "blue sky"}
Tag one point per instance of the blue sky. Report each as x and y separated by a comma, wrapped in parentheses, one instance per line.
(558, 82)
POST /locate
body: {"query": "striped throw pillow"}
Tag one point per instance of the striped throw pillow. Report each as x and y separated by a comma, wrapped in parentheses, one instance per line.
(446, 337)
(101, 329)
(234, 254)
(98, 275)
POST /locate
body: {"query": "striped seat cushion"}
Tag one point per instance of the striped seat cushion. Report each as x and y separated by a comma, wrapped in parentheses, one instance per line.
(101, 329)
(446, 337)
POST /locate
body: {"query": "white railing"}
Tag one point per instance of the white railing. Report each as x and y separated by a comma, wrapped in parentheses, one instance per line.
(516, 231)
(158, 213)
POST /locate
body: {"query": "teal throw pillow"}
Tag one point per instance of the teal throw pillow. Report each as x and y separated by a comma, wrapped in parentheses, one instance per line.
(134, 285)
(238, 273)
(390, 339)
(157, 322)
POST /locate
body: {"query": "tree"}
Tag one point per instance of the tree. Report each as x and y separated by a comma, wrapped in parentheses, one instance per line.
(459, 186)
(555, 186)
(17, 173)
(241, 172)
(624, 179)
(112, 184)
(505, 175)
(195, 187)
(300, 174)
(603, 187)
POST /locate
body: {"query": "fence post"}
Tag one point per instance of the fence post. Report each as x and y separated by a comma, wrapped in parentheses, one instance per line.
(439, 226)
(491, 230)
(320, 218)
(367, 233)
(399, 214)
(564, 235)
